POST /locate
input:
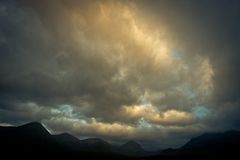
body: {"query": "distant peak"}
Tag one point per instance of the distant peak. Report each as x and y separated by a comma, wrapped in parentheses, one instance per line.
(208, 139)
(34, 127)
(94, 140)
(32, 124)
(131, 148)
(132, 144)
(66, 135)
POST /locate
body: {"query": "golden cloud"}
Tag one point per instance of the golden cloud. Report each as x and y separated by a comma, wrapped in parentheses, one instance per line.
(151, 114)
(92, 127)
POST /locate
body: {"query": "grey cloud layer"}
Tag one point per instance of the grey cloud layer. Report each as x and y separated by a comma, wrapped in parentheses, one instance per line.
(84, 68)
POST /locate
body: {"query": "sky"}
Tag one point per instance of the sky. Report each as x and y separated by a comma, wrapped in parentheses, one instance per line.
(158, 72)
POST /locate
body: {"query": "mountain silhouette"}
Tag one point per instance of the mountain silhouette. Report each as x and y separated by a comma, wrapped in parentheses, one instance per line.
(206, 146)
(131, 148)
(214, 140)
(96, 145)
(68, 141)
(214, 144)
(33, 128)
(33, 140)
(30, 138)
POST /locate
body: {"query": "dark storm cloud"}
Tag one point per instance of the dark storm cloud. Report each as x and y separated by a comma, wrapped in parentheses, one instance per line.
(157, 70)
(212, 29)
(38, 67)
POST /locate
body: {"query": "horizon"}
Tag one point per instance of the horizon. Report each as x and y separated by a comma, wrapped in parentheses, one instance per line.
(154, 151)
(157, 72)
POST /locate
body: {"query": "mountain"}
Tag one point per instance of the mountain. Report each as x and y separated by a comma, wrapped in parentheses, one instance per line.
(96, 145)
(206, 146)
(32, 140)
(131, 148)
(214, 143)
(34, 129)
(68, 141)
(90, 144)
(208, 140)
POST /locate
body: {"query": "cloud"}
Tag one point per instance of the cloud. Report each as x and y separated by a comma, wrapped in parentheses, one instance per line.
(83, 128)
(120, 68)
(151, 114)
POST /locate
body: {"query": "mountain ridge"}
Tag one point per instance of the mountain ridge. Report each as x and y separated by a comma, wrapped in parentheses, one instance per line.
(34, 137)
